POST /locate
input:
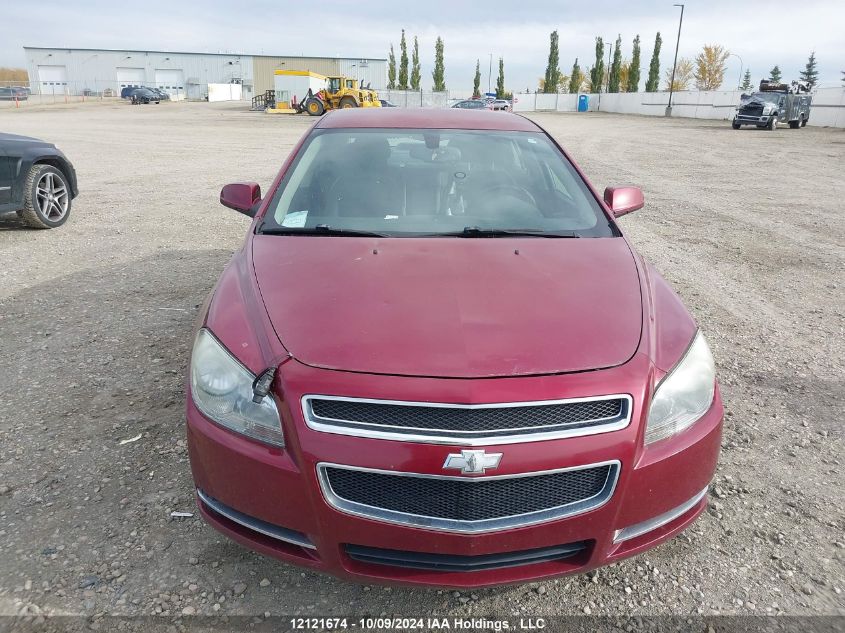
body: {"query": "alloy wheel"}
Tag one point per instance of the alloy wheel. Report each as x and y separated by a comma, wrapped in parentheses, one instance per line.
(52, 197)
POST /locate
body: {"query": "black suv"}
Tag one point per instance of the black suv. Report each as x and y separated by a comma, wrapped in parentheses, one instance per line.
(36, 180)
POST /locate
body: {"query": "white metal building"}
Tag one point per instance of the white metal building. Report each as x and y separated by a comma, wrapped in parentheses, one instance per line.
(76, 71)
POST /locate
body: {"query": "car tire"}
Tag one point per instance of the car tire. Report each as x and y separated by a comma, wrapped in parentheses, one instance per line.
(46, 198)
(803, 122)
(348, 102)
(794, 125)
(735, 124)
(314, 107)
(773, 122)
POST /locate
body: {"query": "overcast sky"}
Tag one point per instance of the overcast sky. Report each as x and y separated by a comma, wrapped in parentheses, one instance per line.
(762, 32)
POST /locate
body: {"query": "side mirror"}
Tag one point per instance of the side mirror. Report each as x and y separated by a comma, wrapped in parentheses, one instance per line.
(242, 197)
(622, 200)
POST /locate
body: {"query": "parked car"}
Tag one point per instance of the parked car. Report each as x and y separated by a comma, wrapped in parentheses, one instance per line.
(126, 91)
(387, 104)
(12, 93)
(444, 364)
(144, 95)
(472, 104)
(36, 180)
(162, 94)
(501, 104)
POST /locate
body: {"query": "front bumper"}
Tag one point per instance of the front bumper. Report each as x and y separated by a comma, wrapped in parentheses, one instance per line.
(660, 488)
(744, 119)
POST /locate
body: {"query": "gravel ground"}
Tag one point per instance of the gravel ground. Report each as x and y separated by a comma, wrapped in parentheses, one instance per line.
(95, 320)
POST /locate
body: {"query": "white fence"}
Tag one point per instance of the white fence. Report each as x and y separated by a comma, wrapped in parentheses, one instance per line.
(415, 99)
(828, 108)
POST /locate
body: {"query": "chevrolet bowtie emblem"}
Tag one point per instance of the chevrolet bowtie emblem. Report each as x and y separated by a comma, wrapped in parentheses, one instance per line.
(472, 462)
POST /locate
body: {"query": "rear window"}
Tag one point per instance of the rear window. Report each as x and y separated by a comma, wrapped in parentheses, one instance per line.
(402, 182)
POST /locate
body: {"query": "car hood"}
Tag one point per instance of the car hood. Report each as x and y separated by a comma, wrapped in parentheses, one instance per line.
(451, 307)
(17, 138)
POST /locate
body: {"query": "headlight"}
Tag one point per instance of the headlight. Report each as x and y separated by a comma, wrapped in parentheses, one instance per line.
(684, 395)
(222, 390)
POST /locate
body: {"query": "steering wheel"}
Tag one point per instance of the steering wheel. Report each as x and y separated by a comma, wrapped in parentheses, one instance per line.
(515, 191)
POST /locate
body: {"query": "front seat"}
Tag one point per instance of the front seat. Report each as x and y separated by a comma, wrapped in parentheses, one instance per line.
(367, 188)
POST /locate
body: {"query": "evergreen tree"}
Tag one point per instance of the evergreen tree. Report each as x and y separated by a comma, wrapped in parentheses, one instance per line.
(500, 80)
(597, 73)
(616, 66)
(575, 78)
(391, 69)
(550, 84)
(415, 66)
(403, 63)
(653, 82)
(746, 81)
(810, 75)
(774, 74)
(439, 73)
(634, 68)
(476, 83)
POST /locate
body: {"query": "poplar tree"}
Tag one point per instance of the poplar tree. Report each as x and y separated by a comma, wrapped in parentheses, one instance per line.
(476, 84)
(550, 84)
(391, 69)
(597, 73)
(415, 66)
(403, 63)
(500, 80)
(634, 68)
(575, 78)
(439, 73)
(652, 84)
(615, 67)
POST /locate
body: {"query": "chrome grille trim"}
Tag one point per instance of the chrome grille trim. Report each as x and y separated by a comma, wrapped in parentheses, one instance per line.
(468, 527)
(466, 438)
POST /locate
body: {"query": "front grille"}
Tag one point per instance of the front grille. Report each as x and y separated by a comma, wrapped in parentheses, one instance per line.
(466, 424)
(467, 504)
(752, 110)
(453, 562)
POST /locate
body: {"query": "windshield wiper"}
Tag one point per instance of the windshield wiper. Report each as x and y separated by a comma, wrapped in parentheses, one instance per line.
(320, 229)
(475, 231)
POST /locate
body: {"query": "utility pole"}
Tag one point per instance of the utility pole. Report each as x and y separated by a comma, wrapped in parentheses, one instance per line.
(609, 45)
(675, 64)
(490, 74)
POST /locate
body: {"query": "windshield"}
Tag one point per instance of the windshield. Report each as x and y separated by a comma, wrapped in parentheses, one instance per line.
(402, 182)
(771, 97)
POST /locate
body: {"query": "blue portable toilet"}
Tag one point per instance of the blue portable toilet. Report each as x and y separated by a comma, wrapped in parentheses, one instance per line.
(583, 103)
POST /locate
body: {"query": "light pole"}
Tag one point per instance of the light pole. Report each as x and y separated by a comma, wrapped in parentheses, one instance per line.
(675, 64)
(738, 86)
(609, 53)
(490, 74)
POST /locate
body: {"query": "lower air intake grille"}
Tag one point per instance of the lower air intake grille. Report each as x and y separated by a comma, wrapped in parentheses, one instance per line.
(464, 503)
(451, 563)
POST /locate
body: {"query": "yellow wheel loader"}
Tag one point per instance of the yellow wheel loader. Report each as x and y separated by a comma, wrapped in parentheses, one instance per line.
(340, 92)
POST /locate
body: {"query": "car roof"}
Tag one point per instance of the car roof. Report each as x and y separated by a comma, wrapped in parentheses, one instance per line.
(426, 118)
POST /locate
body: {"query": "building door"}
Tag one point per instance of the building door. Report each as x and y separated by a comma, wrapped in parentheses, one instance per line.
(52, 80)
(172, 81)
(129, 78)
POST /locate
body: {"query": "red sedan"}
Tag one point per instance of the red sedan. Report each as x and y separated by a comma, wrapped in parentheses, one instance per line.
(437, 360)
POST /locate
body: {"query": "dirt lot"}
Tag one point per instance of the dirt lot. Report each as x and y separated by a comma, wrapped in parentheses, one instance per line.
(95, 323)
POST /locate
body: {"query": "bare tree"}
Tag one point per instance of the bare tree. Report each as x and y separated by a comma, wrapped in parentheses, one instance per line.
(710, 67)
